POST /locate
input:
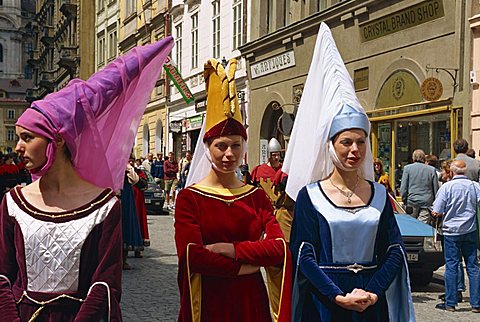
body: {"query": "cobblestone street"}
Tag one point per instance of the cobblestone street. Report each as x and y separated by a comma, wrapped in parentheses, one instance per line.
(150, 290)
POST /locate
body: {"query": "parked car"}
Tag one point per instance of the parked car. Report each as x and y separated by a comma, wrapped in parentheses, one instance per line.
(424, 249)
(154, 196)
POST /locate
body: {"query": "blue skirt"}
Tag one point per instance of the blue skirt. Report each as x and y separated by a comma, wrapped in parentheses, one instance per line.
(130, 227)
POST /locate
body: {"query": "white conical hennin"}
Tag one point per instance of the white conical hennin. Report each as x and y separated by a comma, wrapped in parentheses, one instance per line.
(327, 89)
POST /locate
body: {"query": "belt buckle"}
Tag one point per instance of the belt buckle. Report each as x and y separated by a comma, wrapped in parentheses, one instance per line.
(355, 268)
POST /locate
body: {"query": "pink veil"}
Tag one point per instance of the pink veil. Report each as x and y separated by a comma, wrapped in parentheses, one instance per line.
(98, 118)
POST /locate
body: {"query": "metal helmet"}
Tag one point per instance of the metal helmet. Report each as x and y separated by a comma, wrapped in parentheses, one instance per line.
(274, 146)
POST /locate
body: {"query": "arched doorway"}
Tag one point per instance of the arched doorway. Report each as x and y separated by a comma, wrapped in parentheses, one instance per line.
(159, 137)
(146, 140)
(269, 128)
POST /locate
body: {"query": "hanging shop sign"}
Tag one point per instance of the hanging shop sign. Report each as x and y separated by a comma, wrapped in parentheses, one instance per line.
(177, 79)
(273, 64)
(194, 123)
(263, 151)
(431, 89)
(409, 17)
(175, 127)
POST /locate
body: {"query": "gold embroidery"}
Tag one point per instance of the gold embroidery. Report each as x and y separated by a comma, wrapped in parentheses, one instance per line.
(43, 303)
(227, 201)
(73, 213)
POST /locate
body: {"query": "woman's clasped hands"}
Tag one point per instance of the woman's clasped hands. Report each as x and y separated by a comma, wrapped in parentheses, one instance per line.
(358, 300)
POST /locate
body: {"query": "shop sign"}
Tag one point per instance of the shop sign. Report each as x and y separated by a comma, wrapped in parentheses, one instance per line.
(263, 151)
(175, 127)
(195, 122)
(431, 89)
(409, 17)
(273, 64)
(200, 105)
(178, 81)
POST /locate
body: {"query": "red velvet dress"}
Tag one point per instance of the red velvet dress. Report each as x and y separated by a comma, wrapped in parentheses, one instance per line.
(141, 208)
(210, 289)
(70, 261)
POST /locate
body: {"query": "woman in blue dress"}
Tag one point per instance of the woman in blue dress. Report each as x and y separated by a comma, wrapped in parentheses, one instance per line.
(349, 258)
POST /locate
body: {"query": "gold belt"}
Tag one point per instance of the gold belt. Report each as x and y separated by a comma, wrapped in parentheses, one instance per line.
(43, 303)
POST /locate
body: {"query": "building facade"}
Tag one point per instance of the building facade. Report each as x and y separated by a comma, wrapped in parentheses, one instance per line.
(106, 31)
(64, 38)
(141, 23)
(15, 44)
(203, 30)
(409, 60)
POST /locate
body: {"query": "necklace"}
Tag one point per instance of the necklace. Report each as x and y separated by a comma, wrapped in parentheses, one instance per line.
(347, 194)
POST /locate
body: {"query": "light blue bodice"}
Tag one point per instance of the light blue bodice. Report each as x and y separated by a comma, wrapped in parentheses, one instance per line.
(353, 231)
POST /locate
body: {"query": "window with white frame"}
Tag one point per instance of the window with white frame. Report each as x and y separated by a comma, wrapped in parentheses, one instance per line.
(195, 40)
(101, 50)
(178, 46)
(112, 44)
(101, 5)
(11, 114)
(10, 135)
(237, 24)
(216, 28)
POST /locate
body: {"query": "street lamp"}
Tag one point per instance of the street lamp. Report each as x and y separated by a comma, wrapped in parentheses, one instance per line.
(224, 62)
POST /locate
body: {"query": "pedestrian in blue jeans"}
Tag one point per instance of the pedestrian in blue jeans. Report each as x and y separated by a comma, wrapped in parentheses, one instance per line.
(457, 201)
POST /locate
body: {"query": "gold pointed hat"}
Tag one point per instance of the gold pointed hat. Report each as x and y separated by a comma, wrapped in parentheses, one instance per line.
(223, 114)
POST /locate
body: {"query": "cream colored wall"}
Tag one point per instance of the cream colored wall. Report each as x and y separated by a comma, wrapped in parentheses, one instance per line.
(434, 43)
(475, 25)
(86, 33)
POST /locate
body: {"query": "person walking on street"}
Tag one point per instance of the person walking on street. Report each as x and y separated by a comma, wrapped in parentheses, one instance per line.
(457, 202)
(157, 170)
(184, 168)
(419, 186)
(170, 168)
(147, 163)
(460, 146)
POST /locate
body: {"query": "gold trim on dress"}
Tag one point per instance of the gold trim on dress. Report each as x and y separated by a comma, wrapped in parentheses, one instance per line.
(43, 303)
(195, 287)
(39, 213)
(227, 201)
(276, 293)
(226, 192)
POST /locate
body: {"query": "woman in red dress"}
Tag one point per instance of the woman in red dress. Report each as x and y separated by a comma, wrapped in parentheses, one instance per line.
(225, 230)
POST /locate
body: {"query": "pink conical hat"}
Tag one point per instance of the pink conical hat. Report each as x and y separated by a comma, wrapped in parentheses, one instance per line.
(98, 118)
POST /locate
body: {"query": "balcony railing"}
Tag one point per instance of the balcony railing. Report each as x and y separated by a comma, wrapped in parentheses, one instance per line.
(47, 80)
(68, 57)
(68, 8)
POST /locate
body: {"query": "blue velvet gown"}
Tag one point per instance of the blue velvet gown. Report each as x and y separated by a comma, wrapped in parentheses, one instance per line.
(325, 239)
